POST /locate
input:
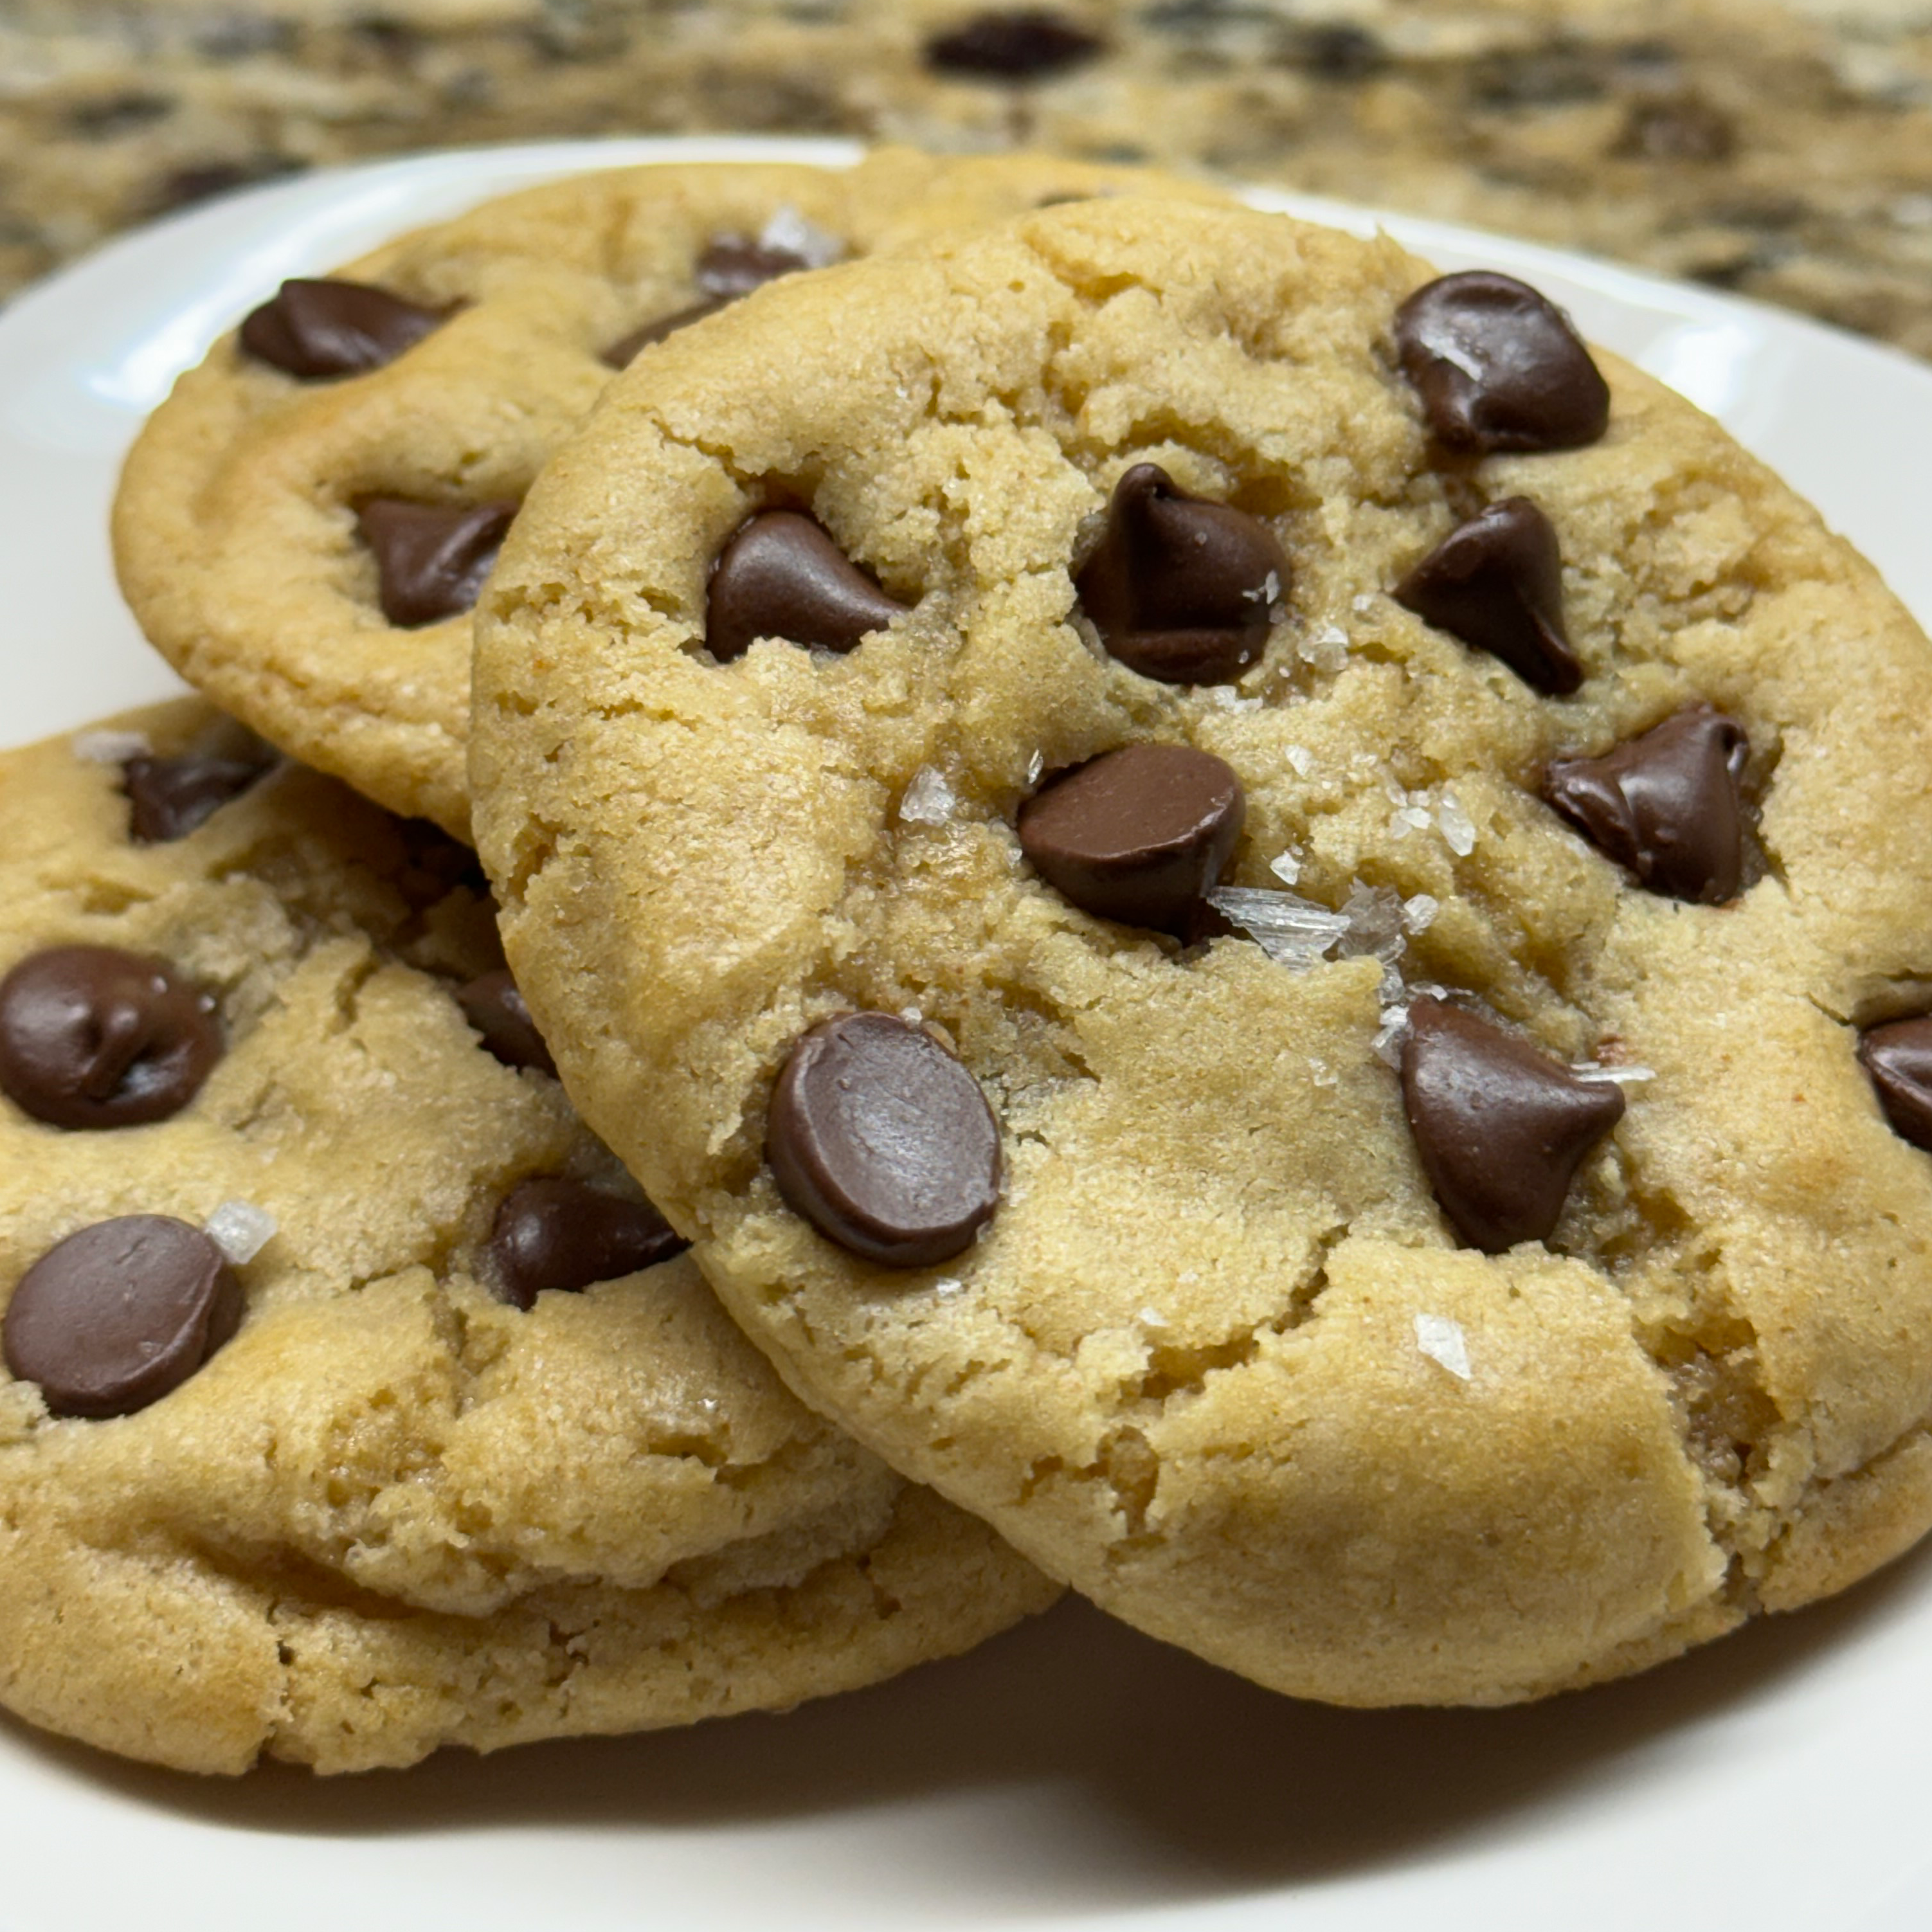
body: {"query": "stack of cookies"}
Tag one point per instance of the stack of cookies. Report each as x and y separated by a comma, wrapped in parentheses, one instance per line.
(1157, 904)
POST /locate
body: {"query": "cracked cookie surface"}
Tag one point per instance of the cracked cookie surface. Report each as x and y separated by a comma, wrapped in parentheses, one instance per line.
(1220, 1358)
(241, 528)
(395, 1511)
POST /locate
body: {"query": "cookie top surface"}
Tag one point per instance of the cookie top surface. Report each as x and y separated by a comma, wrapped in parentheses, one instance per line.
(1485, 1266)
(303, 524)
(286, 1413)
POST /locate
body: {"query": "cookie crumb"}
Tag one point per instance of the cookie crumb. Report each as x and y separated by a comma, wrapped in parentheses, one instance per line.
(1442, 1341)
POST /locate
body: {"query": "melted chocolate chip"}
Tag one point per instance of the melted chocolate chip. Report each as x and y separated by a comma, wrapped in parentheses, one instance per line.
(1498, 368)
(168, 798)
(622, 352)
(555, 1234)
(780, 575)
(91, 1036)
(1138, 834)
(431, 558)
(334, 328)
(1016, 44)
(1666, 806)
(732, 265)
(1500, 1129)
(495, 1008)
(1179, 588)
(1898, 1058)
(883, 1141)
(1496, 582)
(114, 1317)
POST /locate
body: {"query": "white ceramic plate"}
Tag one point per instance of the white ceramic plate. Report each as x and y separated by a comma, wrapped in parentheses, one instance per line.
(1072, 1774)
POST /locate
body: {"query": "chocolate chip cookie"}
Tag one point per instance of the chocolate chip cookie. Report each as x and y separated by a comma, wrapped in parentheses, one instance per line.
(1271, 922)
(355, 1401)
(302, 528)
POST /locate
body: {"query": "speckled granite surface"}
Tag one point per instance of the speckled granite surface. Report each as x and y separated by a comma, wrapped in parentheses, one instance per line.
(1780, 147)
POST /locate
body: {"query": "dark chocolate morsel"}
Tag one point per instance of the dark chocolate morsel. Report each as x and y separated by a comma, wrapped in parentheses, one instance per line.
(1179, 588)
(114, 1317)
(1498, 367)
(1501, 1129)
(91, 1036)
(168, 798)
(563, 1235)
(1496, 582)
(1665, 806)
(495, 1008)
(622, 353)
(1898, 1058)
(1138, 834)
(732, 265)
(334, 328)
(883, 1141)
(780, 575)
(430, 558)
(1011, 43)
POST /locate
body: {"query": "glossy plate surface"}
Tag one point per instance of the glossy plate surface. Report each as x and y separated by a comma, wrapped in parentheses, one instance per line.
(1071, 1774)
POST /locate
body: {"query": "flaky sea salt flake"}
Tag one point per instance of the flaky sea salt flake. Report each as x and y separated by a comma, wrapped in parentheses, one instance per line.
(1292, 932)
(1418, 913)
(790, 230)
(1457, 828)
(929, 799)
(1301, 759)
(1151, 1317)
(1442, 1340)
(1286, 866)
(1036, 768)
(240, 1230)
(1387, 1045)
(111, 748)
(1362, 603)
(1613, 1076)
(1326, 649)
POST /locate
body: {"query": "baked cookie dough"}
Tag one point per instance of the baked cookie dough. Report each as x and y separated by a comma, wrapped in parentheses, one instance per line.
(1303, 1023)
(320, 1459)
(302, 527)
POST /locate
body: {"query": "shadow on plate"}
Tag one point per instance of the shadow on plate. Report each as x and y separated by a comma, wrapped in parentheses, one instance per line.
(1073, 1763)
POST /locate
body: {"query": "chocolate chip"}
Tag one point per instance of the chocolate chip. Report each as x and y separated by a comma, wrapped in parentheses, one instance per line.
(1016, 44)
(732, 265)
(883, 1141)
(1665, 806)
(1179, 587)
(495, 1008)
(1336, 51)
(431, 558)
(1498, 367)
(1500, 1129)
(1686, 128)
(622, 352)
(1138, 835)
(168, 798)
(555, 1234)
(114, 1317)
(1898, 1058)
(91, 1036)
(1496, 583)
(334, 328)
(780, 575)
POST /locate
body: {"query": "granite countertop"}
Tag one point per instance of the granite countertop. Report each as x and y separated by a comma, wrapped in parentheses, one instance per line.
(1783, 148)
